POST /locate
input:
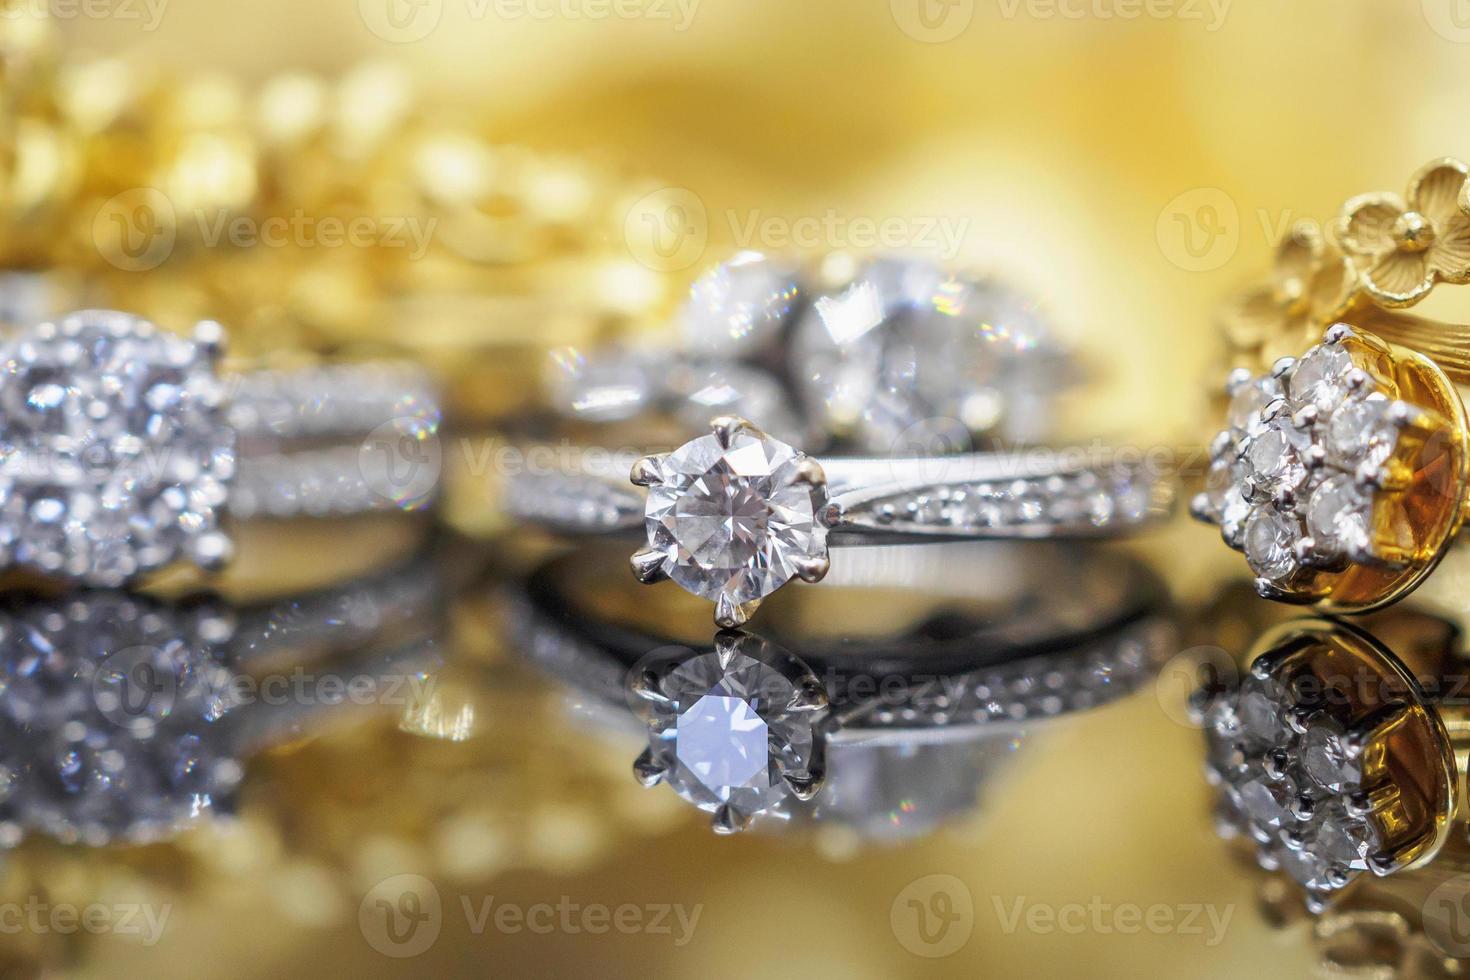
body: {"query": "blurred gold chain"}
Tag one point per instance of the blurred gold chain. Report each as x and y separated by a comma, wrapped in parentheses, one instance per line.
(307, 213)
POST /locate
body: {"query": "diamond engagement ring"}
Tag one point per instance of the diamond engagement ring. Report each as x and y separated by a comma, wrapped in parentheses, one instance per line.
(122, 447)
(734, 515)
(792, 727)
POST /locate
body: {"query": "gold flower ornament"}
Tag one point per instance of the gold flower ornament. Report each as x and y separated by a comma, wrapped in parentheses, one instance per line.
(1311, 285)
(1399, 247)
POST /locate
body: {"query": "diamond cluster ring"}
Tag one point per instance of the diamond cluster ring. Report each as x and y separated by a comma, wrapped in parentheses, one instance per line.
(1343, 470)
(1332, 757)
(734, 515)
(124, 447)
(1342, 474)
(128, 719)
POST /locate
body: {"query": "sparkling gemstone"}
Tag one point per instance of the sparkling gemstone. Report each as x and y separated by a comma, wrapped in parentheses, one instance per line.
(726, 733)
(109, 711)
(1222, 735)
(708, 389)
(116, 453)
(1274, 458)
(734, 522)
(1266, 801)
(1262, 714)
(1320, 378)
(1326, 762)
(906, 342)
(1334, 848)
(1359, 431)
(1339, 516)
(1270, 538)
(738, 306)
(1225, 483)
(608, 386)
(1244, 414)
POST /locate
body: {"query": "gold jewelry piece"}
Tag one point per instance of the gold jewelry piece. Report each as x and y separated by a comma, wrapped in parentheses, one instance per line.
(1341, 472)
(1342, 475)
(1334, 757)
(1381, 254)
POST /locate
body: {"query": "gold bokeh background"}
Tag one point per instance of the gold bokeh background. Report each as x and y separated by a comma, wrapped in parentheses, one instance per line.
(1130, 170)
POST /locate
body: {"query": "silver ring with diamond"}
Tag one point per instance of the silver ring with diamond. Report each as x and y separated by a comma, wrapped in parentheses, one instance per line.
(859, 352)
(125, 450)
(754, 726)
(734, 515)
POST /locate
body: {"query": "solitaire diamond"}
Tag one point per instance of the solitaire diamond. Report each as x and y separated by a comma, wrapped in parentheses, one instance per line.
(733, 731)
(733, 516)
(116, 455)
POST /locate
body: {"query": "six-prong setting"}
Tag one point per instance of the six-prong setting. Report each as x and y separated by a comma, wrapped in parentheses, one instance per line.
(1328, 757)
(732, 516)
(736, 731)
(1339, 474)
(117, 456)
